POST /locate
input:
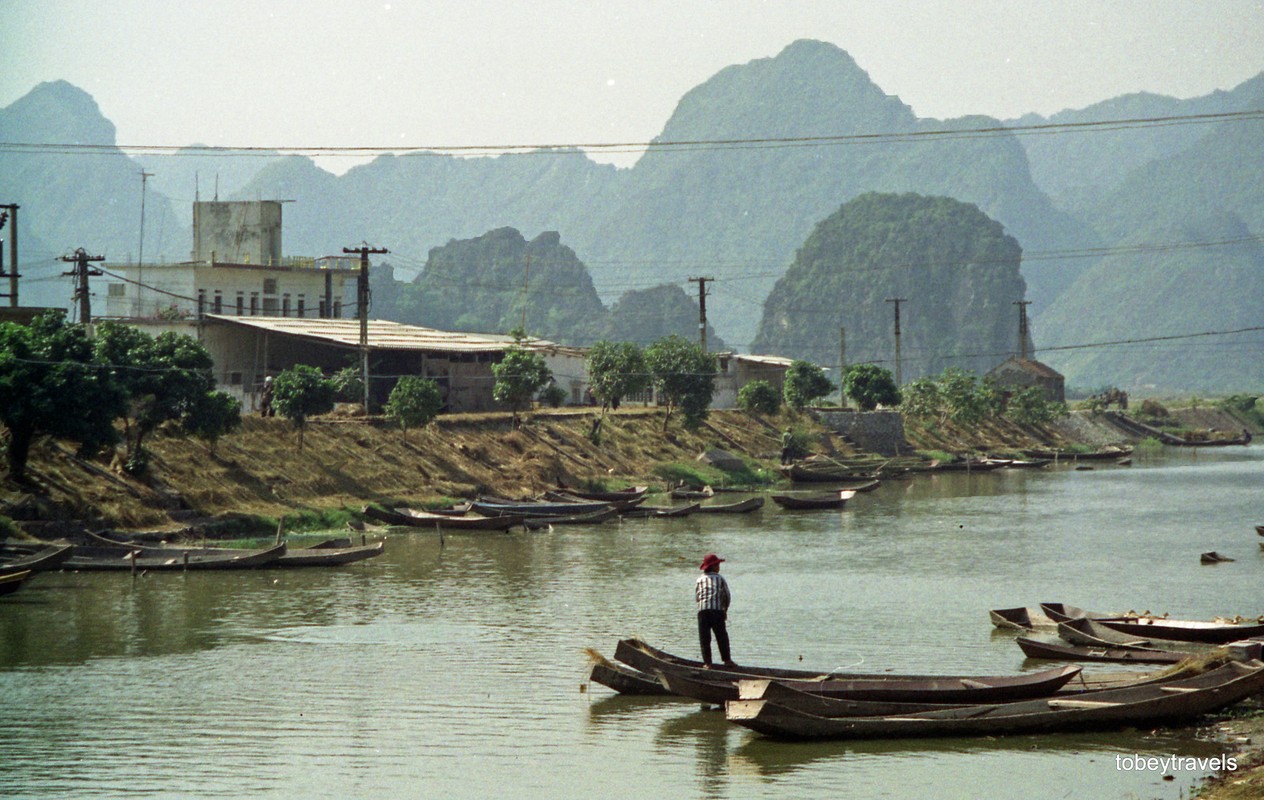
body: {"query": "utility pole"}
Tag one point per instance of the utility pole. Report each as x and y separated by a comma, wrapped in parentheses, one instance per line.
(11, 213)
(842, 364)
(81, 272)
(702, 310)
(526, 277)
(140, 256)
(362, 309)
(899, 370)
(1022, 327)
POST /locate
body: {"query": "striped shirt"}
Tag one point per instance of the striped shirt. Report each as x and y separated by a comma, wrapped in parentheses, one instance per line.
(712, 592)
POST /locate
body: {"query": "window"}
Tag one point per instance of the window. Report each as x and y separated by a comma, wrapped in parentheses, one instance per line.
(234, 379)
(254, 304)
(118, 290)
(270, 306)
(219, 302)
(201, 302)
(241, 303)
(302, 305)
(269, 286)
(285, 306)
(337, 309)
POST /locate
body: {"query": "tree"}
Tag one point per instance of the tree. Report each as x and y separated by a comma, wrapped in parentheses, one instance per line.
(166, 378)
(50, 385)
(871, 386)
(348, 385)
(214, 414)
(299, 392)
(965, 399)
(414, 401)
(805, 382)
(684, 375)
(1030, 407)
(616, 370)
(921, 399)
(759, 396)
(519, 375)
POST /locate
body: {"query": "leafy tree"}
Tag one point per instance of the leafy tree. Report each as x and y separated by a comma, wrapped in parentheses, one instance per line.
(299, 392)
(759, 396)
(553, 396)
(967, 400)
(805, 382)
(414, 401)
(213, 415)
(520, 374)
(50, 385)
(921, 399)
(616, 370)
(684, 375)
(871, 386)
(348, 385)
(1030, 407)
(166, 378)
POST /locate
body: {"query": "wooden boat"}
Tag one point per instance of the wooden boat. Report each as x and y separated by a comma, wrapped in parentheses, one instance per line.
(1052, 651)
(33, 558)
(1029, 463)
(1259, 529)
(1021, 618)
(509, 508)
(827, 473)
(93, 557)
(972, 465)
(625, 680)
(1085, 631)
(617, 505)
(1172, 701)
(329, 553)
(742, 507)
(1113, 451)
(687, 493)
(1212, 557)
(12, 581)
(458, 510)
(718, 685)
(662, 511)
(591, 518)
(631, 493)
(1173, 630)
(796, 502)
(422, 519)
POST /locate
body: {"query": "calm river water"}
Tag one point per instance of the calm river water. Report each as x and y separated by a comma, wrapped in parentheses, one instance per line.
(457, 671)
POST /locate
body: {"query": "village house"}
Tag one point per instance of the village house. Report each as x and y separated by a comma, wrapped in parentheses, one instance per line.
(1016, 373)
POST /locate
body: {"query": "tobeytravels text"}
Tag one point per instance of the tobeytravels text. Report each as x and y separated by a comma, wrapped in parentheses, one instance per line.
(1172, 763)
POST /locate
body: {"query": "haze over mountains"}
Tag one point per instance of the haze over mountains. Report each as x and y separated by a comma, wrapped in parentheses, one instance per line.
(739, 212)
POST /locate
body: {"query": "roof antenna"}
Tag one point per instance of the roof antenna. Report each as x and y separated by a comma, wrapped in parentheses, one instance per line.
(217, 187)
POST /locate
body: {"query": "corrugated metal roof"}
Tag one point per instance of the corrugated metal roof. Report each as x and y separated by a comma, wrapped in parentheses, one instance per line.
(772, 361)
(382, 334)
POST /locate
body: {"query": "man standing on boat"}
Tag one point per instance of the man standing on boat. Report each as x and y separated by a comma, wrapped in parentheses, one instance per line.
(712, 594)
(787, 443)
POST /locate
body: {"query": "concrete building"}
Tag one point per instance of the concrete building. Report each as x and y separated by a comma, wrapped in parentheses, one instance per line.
(1014, 374)
(738, 369)
(236, 269)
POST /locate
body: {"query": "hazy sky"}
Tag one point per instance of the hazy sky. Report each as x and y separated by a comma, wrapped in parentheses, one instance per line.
(415, 74)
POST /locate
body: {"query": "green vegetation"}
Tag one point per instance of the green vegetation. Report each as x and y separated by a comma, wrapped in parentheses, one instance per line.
(520, 374)
(301, 392)
(684, 376)
(616, 370)
(1030, 407)
(959, 396)
(414, 402)
(871, 386)
(805, 384)
(760, 397)
(348, 385)
(693, 474)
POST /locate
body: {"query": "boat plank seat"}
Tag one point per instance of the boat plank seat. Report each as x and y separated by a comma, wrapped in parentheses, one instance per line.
(971, 684)
(1177, 689)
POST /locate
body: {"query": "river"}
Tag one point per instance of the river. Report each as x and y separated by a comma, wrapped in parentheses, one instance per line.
(456, 669)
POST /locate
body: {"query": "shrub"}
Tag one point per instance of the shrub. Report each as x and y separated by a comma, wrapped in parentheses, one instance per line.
(759, 396)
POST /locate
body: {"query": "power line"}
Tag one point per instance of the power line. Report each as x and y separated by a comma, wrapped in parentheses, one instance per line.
(657, 145)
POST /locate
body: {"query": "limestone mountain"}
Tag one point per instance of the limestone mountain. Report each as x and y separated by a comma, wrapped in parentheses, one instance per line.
(645, 315)
(956, 268)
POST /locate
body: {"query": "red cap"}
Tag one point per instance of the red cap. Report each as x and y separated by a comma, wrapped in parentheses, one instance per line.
(710, 560)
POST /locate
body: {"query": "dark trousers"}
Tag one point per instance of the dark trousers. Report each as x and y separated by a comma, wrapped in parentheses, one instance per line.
(713, 620)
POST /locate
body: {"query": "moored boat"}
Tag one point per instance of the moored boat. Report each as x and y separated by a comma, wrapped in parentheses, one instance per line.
(329, 553)
(33, 557)
(100, 558)
(1178, 700)
(509, 508)
(1089, 632)
(662, 511)
(12, 581)
(423, 519)
(630, 493)
(624, 679)
(796, 502)
(1145, 626)
(1120, 654)
(742, 507)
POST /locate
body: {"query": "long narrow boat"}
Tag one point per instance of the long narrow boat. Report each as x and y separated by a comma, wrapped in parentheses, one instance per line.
(33, 558)
(621, 504)
(802, 502)
(1020, 618)
(1053, 651)
(422, 519)
(662, 511)
(11, 582)
(1091, 633)
(1157, 703)
(1173, 630)
(625, 680)
(742, 507)
(827, 473)
(509, 508)
(330, 553)
(631, 493)
(590, 518)
(91, 557)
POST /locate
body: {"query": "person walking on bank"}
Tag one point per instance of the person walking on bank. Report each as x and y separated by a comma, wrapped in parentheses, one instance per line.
(787, 443)
(711, 592)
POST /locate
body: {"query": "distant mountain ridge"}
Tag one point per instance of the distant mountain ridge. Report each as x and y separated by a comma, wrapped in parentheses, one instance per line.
(734, 212)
